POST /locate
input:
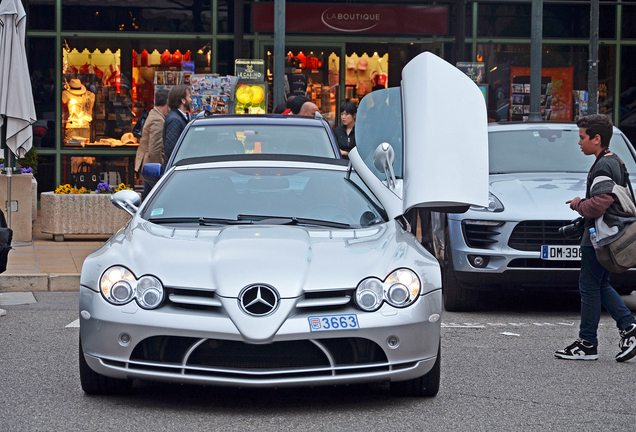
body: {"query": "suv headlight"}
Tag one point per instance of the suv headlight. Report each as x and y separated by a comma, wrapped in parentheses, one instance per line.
(494, 205)
(119, 286)
(400, 289)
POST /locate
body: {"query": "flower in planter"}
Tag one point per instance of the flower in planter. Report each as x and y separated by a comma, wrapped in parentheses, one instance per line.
(24, 170)
(109, 189)
(67, 189)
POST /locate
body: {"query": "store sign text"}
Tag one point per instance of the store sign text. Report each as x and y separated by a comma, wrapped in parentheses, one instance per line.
(344, 18)
(341, 21)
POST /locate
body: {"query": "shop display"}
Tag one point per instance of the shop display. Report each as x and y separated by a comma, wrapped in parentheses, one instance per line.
(96, 102)
(365, 73)
(212, 93)
(557, 101)
(251, 98)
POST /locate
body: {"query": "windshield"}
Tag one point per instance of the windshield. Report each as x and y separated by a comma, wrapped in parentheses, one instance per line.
(224, 195)
(220, 140)
(546, 150)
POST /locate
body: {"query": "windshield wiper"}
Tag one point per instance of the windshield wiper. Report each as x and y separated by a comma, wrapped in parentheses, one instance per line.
(291, 220)
(200, 220)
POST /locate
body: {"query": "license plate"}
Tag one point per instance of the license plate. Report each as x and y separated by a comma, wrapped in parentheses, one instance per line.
(561, 253)
(333, 322)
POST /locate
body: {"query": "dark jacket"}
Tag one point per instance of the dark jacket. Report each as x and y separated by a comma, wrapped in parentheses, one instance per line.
(345, 142)
(172, 128)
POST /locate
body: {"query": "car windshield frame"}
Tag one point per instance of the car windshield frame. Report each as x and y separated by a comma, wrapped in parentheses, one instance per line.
(546, 150)
(256, 138)
(290, 195)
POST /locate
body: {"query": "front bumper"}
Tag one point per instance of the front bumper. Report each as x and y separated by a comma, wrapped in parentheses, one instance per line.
(180, 345)
(513, 268)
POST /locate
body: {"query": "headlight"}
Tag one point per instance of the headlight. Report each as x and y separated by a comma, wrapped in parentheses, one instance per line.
(494, 205)
(400, 289)
(119, 286)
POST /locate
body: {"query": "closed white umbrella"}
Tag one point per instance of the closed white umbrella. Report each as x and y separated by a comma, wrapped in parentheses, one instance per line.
(17, 111)
(16, 96)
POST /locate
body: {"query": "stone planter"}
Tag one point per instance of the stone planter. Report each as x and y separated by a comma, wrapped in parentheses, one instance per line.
(63, 214)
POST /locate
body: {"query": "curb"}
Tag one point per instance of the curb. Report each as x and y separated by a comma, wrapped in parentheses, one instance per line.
(39, 282)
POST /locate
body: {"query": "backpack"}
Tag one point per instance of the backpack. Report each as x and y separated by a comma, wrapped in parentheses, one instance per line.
(139, 126)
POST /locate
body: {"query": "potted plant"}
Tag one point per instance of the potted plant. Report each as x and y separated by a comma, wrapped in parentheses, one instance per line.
(69, 210)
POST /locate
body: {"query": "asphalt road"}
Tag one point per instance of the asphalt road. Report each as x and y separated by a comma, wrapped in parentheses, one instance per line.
(498, 374)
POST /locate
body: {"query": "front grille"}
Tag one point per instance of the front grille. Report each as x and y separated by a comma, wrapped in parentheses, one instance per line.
(479, 234)
(224, 358)
(531, 235)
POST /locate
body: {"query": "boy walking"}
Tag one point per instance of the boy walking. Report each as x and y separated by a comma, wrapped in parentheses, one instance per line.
(595, 132)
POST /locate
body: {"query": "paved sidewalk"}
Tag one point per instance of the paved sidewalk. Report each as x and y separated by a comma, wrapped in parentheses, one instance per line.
(47, 265)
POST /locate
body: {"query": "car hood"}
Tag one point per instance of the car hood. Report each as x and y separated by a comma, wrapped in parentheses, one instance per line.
(291, 259)
(538, 195)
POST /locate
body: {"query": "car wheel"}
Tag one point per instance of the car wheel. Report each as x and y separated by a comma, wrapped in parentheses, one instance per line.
(427, 385)
(97, 384)
(457, 297)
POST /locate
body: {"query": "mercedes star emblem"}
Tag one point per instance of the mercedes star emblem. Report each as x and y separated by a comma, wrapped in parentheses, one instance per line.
(258, 300)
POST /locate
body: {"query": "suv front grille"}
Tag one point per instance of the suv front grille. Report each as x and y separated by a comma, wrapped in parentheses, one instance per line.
(531, 235)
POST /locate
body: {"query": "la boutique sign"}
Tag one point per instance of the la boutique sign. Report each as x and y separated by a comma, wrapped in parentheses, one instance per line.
(350, 22)
(363, 19)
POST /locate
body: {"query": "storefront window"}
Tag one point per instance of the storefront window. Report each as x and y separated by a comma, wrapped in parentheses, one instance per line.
(97, 169)
(108, 84)
(365, 73)
(315, 73)
(504, 20)
(42, 71)
(41, 14)
(563, 83)
(225, 16)
(628, 28)
(120, 15)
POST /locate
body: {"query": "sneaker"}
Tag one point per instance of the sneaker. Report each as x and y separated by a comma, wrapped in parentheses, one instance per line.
(627, 344)
(579, 350)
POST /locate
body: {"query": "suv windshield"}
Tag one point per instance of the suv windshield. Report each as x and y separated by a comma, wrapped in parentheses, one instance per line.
(546, 150)
(221, 140)
(208, 196)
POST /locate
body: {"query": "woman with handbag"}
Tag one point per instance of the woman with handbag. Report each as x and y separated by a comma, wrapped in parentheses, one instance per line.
(595, 132)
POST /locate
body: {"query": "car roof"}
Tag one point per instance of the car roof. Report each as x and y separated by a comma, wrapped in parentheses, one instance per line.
(258, 119)
(258, 160)
(512, 126)
(267, 158)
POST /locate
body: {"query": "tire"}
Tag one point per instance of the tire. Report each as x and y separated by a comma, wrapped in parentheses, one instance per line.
(426, 385)
(457, 297)
(97, 384)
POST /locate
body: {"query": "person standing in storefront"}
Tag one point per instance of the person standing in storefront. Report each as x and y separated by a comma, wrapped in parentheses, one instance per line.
(346, 134)
(180, 103)
(150, 148)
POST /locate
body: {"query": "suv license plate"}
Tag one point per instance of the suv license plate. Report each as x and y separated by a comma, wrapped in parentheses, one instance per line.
(561, 253)
(333, 322)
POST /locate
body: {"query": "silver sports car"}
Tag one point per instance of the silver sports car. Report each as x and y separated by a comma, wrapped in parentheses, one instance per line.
(280, 270)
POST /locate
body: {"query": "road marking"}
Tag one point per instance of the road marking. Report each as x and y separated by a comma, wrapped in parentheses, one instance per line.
(74, 324)
(500, 324)
(510, 334)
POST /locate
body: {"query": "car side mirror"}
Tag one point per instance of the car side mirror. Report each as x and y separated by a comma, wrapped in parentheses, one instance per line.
(151, 171)
(383, 158)
(127, 200)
